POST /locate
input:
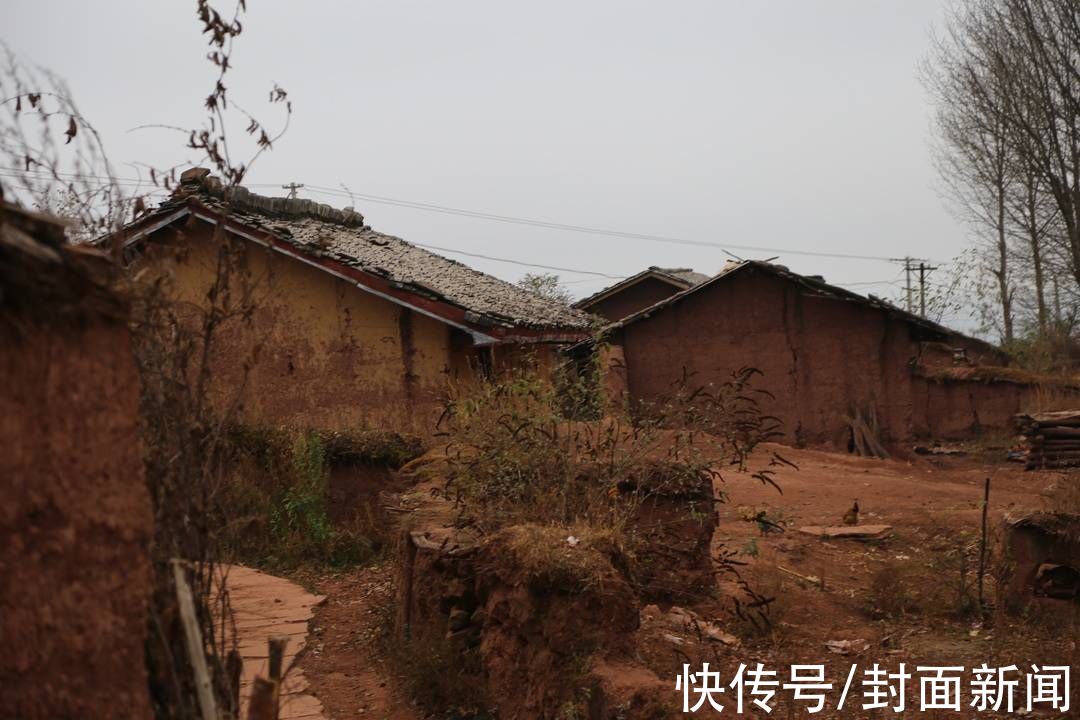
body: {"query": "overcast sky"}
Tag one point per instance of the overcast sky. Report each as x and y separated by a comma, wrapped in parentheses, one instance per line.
(792, 125)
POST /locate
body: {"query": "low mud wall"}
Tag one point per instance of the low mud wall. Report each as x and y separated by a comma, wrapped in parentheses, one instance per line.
(75, 526)
(963, 409)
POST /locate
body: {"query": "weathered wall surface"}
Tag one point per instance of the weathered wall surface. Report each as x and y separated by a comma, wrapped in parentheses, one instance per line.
(820, 357)
(959, 409)
(322, 353)
(636, 297)
(75, 525)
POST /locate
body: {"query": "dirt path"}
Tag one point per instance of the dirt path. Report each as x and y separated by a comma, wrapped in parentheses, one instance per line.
(345, 661)
(265, 606)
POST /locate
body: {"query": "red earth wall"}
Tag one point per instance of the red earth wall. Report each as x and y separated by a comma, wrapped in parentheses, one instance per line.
(960, 409)
(820, 356)
(75, 526)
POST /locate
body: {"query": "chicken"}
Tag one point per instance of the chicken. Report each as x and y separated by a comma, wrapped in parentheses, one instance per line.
(851, 517)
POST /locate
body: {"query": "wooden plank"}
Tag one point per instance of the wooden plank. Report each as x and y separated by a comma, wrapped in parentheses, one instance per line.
(193, 636)
(857, 532)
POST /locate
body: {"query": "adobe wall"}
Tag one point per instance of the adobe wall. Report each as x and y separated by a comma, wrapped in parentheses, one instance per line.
(75, 526)
(329, 355)
(820, 356)
(960, 409)
(636, 297)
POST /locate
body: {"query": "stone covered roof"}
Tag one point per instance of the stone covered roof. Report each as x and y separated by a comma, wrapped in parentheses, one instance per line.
(687, 275)
(342, 235)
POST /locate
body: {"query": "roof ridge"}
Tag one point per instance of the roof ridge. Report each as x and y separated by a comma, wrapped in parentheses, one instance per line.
(199, 181)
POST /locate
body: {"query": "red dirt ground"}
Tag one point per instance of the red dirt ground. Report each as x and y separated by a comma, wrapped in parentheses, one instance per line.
(344, 662)
(931, 503)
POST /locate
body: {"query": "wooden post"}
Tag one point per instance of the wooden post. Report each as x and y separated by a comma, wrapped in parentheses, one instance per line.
(196, 651)
(277, 657)
(234, 666)
(262, 704)
(982, 543)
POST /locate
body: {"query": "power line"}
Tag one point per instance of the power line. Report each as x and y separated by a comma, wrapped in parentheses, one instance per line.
(416, 205)
(915, 265)
(429, 207)
(519, 262)
(465, 253)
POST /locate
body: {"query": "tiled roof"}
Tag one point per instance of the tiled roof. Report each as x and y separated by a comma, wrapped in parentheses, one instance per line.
(687, 275)
(341, 235)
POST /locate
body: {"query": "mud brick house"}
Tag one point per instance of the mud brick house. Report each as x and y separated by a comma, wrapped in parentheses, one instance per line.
(352, 328)
(75, 522)
(639, 292)
(825, 352)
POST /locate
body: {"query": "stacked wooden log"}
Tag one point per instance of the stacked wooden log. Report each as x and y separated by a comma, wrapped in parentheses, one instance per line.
(1052, 439)
(865, 433)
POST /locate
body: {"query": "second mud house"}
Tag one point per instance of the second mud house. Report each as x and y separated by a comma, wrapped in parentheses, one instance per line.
(825, 353)
(639, 291)
(348, 327)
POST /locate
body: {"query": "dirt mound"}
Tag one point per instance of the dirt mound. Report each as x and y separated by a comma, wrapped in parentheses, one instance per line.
(543, 603)
(533, 604)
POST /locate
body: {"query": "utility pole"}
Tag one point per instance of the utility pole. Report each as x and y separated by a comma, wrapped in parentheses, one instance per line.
(911, 265)
(907, 279)
(923, 269)
(292, 188)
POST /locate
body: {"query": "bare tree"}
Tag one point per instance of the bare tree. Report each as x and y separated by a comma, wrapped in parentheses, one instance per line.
(973, 153)
(1006, 81)
(546, 285)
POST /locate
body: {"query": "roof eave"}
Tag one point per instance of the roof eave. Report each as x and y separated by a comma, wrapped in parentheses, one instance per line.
(365, 281)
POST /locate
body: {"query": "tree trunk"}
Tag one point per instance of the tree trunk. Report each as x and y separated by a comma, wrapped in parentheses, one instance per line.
(1002, 272)
(1036, 255)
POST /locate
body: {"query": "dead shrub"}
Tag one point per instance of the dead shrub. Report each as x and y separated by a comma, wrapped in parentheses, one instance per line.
(896, 591)
(513, 456)
(942, 583)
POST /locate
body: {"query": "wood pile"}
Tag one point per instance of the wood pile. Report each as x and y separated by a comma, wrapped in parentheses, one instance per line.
(1051, 439)
(865, 433)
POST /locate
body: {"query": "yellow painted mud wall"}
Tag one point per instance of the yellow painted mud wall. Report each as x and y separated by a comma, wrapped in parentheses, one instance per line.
(317, 351)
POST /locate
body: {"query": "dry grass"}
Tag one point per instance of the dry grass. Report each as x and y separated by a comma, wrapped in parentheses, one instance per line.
(939, 582)
(577, 560)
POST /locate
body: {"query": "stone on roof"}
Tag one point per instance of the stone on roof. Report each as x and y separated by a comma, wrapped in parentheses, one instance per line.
(687, 275)
(343, 236)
